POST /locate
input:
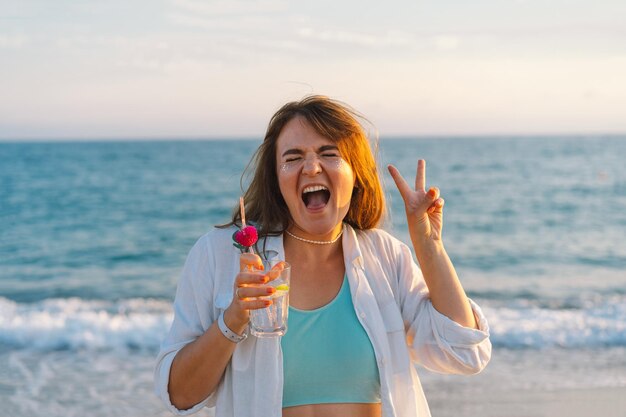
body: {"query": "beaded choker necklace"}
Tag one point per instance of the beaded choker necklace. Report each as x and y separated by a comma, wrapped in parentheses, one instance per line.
(315, 242)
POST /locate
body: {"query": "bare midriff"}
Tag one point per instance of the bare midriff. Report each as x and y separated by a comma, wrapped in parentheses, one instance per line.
(334, 410)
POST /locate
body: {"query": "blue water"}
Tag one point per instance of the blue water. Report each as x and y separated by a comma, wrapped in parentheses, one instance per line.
(93, 236)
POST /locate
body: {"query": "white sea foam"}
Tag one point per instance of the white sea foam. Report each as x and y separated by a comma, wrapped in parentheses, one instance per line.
(594, 325)
(77, 324)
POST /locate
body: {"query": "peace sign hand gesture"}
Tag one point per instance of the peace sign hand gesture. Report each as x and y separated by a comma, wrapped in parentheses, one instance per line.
(424, 214)
(424, 209)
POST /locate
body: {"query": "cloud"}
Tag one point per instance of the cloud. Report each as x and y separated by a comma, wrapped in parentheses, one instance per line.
(230, 7)
(237, 24)
(391, 38)
(446, 42)
(13, 41)
(117, 42)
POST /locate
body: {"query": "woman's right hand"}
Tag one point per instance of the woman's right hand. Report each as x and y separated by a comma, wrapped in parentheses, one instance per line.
(249, 285)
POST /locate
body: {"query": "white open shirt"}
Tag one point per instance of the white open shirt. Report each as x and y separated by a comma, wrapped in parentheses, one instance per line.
(391, 301)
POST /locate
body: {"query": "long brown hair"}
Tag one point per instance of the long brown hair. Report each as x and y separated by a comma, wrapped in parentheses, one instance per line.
(264, 204)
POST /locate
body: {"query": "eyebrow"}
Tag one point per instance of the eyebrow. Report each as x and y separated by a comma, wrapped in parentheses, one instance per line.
(321, 149)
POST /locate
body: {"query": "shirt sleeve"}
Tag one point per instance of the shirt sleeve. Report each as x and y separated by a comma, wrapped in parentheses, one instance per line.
(191, 318)
(435, 341)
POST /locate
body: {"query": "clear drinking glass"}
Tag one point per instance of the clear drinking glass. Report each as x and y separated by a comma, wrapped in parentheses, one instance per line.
(272, 321)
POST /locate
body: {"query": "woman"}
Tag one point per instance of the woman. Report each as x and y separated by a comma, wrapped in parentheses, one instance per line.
(361, 311)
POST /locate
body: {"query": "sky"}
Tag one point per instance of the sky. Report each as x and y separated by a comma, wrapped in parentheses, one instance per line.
(217, 69)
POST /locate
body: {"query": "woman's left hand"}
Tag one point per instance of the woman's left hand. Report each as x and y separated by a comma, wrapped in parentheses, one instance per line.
(424, 209)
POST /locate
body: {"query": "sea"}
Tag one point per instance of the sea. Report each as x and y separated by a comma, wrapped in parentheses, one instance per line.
(93, 236)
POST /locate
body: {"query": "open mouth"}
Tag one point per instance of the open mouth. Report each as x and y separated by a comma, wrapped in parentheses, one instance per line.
(315, 197)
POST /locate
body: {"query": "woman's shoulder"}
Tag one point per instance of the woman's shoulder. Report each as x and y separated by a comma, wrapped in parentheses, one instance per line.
(214, 240)
(379, 241)
(219, 235)
(378, 237)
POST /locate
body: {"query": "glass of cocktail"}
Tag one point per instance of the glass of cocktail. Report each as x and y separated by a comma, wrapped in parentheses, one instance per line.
(271, 321)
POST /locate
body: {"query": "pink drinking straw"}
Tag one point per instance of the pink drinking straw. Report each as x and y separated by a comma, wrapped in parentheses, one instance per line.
(242, 211)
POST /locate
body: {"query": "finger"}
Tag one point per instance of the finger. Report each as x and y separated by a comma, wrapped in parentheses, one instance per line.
(403, 186)
(250, 278)
(437, 206)
(420, 177)
(250, 261)
(254, 304)
(252, 292)
(433, 193)
(276, 270)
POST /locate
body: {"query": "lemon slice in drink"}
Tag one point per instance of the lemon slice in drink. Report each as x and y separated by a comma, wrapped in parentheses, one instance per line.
(282, 287)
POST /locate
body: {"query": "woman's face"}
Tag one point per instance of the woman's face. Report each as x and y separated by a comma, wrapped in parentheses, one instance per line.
(315, 181)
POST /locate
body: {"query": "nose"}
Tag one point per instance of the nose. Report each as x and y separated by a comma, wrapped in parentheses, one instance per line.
(312, 165)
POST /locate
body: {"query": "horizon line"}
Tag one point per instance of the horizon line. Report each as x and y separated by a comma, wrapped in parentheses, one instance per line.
(578, 135)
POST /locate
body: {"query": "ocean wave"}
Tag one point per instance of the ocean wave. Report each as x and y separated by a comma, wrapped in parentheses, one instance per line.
(586, 323)
(76, 324)
(141, 324)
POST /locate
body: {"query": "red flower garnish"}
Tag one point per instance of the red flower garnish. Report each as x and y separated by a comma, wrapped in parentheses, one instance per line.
(246, 237)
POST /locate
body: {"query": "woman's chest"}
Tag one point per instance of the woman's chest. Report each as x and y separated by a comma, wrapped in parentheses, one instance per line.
(313, 288)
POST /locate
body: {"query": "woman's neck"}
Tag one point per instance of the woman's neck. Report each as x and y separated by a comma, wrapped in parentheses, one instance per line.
(301, 251)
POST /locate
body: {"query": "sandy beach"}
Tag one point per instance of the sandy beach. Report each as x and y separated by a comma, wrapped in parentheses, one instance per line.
(606, 402)
(534, 384)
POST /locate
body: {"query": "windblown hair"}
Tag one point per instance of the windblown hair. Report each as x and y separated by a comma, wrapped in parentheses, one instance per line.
(264, 203)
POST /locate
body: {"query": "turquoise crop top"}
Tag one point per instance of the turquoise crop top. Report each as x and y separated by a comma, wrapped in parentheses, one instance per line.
(328, 357)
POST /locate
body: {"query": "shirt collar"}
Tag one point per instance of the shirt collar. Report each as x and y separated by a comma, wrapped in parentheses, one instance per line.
(351, 249)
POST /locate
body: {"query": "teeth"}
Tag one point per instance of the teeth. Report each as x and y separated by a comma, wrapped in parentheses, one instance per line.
(314, 188)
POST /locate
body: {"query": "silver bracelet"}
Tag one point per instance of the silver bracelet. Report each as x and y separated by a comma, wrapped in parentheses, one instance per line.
(229, 334)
